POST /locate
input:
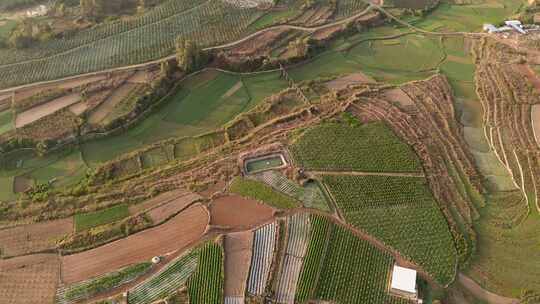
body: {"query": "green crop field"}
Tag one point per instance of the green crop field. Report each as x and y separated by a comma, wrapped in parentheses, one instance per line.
(205, 286)
(261, 192)
(85, 221)
(202, 104)
(372, 147)
(147, 37)
(340, 267)
(402, 213)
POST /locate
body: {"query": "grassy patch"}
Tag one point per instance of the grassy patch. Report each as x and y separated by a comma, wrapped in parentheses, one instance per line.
(93, 219)
(6, 121)
(261, 192)
(372, 147)
(402, 213)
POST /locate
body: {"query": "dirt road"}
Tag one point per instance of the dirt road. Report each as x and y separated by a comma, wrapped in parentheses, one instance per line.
(483, 294)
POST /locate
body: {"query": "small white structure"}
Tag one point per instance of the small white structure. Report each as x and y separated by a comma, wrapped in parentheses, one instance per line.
(516, 25)
(490, 28)
(38, 11)
(404, 282)
(156, 260)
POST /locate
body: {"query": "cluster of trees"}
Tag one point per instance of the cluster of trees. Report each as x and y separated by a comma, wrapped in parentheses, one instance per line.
(189, 55)
(29, 31)
(93, 9)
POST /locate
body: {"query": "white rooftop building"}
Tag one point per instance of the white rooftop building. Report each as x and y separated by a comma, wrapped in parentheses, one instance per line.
(404, 282)
(516, 25)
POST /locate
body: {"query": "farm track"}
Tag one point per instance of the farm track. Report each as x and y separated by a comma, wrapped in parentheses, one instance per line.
(482, 294)
(360, 173)
(154, 62)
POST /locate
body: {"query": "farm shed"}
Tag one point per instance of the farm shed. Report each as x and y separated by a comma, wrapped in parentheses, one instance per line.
(404, 282)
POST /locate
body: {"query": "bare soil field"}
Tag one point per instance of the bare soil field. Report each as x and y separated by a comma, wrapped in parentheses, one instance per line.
(213, 189)
(70, 84)
(41, 111)
(530, 74)
(140, 77)
(29, 279)
(238, 248)
(236, 212)
(342, 82)
(79, 108)
(108, 105)
(21, 184)
(157, 201)
(33, 237)
(25, 93)
(535, 117)
(176, 234)
(399, 96)
(164, 212)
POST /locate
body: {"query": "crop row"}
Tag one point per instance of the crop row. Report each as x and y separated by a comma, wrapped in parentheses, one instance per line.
(340, 267)
(297, 241)
(164, 283)
(372, 147)
(402, 213)
(211, 23)
(264, 243)
(206, 284)
(310, 195)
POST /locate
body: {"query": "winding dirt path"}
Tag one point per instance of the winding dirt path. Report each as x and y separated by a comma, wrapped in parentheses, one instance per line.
(482, 294)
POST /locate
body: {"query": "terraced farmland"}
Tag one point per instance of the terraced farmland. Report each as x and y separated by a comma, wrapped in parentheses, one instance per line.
(264, 244)
(206, 285)
(298, 238)
(402, 213)
(343, 268)
(167, 281)
(372, 147)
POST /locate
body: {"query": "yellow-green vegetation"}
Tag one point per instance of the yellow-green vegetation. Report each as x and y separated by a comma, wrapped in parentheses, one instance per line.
(88, 289)
(372, 147)
(205, 286)
(85, 221)
(340, 267)
(402, 213)
(261, 192)
(6, 121)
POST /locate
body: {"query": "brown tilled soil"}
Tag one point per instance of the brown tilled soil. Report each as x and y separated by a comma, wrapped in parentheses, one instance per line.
(530, 74)
(535, 117)
(79, 108)
(108, 105)
(81, 81)
(25, 93)
(176, 234)
(238, 249)
(29, 279)
(140, 77)
(238, 213)
(398, 95)
(343, 82)
(33, 237)
(21, 184)
(161, 199)
(213, 189)
(164, 212)
(43, 110)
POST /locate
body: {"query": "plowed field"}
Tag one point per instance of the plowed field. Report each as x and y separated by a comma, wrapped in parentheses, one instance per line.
(236, 212)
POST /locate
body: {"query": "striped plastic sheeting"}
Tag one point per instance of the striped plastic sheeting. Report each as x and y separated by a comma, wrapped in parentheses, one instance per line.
(297, 241)
(234, 300)
(264, 243)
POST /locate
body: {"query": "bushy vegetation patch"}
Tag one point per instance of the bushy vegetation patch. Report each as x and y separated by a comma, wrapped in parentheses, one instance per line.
(402, 213)
(372, 147)
(261, 192)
